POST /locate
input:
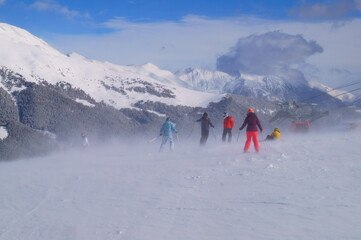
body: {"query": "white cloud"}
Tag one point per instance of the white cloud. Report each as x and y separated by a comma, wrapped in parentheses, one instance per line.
(267, 53)
(358, 5)
(197, 41)
(336, 9)
(50, 5)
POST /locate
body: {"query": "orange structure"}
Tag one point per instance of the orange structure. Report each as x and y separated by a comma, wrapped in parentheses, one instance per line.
(300, 126)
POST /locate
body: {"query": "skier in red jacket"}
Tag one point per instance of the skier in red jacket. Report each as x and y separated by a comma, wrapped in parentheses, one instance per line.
(228, 124)
(252, 122)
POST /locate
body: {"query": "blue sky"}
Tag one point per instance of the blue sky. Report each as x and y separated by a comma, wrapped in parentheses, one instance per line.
(69, 17)
(175, 34)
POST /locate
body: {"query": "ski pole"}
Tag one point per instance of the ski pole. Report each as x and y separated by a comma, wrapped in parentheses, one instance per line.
(238, 135)
(214, 134)
(191, 130)
(265, 144)
(176, 137)
(153, 139)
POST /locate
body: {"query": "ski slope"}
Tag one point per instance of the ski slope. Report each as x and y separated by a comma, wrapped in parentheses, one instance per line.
(303, 187)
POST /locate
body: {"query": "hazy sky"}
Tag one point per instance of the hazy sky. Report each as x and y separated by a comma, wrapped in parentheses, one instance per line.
(177, 34)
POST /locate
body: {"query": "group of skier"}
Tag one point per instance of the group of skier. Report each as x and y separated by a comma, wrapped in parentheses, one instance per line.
(251, 121)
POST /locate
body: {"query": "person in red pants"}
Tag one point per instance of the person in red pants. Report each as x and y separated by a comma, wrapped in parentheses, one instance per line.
(251, 121)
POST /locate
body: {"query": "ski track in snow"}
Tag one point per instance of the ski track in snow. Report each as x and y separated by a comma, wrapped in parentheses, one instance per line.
(303, 187)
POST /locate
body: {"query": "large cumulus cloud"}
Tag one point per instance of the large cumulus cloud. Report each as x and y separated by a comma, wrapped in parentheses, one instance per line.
(267, 53)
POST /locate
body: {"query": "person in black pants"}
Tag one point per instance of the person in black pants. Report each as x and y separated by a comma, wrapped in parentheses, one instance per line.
(228, 124)
(205, 124)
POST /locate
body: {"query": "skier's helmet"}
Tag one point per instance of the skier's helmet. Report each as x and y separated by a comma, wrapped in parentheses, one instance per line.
(225, 115)
(250, 110)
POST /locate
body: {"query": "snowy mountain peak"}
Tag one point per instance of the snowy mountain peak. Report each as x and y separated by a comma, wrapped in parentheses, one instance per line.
(204, 80)
(119, 86)
(150, 67)
(19, 35)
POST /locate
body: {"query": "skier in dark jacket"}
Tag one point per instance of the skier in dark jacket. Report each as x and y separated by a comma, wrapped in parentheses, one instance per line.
(251, 121)
(205, 123)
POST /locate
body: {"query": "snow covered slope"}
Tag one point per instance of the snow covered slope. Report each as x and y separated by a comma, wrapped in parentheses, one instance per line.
(118, 86)
(340, 94)
(303, 187)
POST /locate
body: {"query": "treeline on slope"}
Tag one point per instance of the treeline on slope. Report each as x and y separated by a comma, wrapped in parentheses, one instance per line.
(35, 115)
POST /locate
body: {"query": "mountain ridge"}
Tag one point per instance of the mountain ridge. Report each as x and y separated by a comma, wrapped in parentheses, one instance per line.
(118, 86)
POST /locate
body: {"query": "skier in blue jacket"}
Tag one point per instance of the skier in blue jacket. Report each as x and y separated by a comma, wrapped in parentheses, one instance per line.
(166, 132)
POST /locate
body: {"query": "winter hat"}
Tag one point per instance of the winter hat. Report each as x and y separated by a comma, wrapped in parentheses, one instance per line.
(250, 110)
(168, 119)
(205, 114)
(225, 115)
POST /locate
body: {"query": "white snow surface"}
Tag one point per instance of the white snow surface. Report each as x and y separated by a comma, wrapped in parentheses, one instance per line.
(35, 60)
(3, 133)
(84, 102)
(305, 186)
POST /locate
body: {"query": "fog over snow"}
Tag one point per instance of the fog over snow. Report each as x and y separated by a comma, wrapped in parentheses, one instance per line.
(306, 186)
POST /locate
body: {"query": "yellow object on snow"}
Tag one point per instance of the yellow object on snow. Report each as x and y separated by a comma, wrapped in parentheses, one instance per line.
(276, 134)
